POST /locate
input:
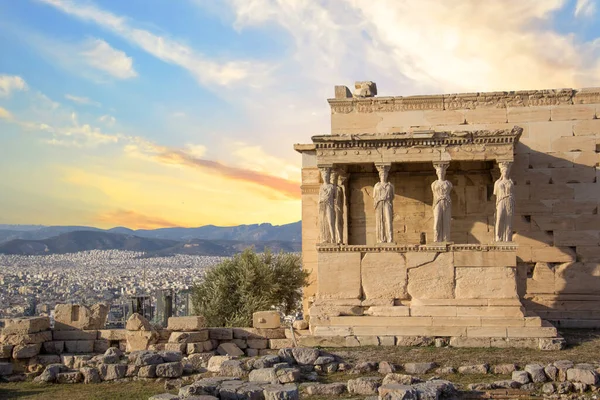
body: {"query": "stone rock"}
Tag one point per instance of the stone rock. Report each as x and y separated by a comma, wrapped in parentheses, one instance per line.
(326, 389)
(441, 342)
(189, 337)
(286, 355)
(288, 375)
(140, 340)
(26, 351)
(521, 376)
(137, 322)
(6, 369)
(169, 370)
(232, 368)
(149, 358)
(551, 372)
(47, 359)
(386, 367)
(507, 384)
(79, 346)
(364, 385)
(268, 375)
(221, 333)
(400, 379)
(90, 375)
(171, 356)
(580, 387)
(26, 338)
(300, 325)
(101, 345)
(257, 343)
(548, 388)
(473, 369)
(434, 389)
(504, 369)
(563, 366)
(322, 360)
(536, 372)
(419, 368)
(173, 384)
(199, 361)
(480, 386)
(54, 347)
(69, 377)
(166, 396)
(445, 371)
(266, 319)
(530, 387)
(111, 372)
(365, 367)
(414, 341)
(563, 387)
(6, 351)
(113, 351)
(281, 392)
(552, 344)
(214, 363)
(582, 375)
(147, 371)
(396, 391)
(24, 326)
(305, 355)
(267, 361)
(229, 349)
(186, 324)
(77, 316)
(109, 359)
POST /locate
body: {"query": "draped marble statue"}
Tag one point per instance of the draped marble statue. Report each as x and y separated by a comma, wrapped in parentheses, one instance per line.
(442, 204)
(326, 208)
(383, 195)
(504, 190)
(339, 199)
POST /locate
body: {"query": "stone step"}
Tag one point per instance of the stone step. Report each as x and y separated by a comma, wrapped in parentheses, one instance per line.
(433, 321)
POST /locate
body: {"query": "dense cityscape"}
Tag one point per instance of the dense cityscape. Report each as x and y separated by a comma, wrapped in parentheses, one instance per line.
(32, 285)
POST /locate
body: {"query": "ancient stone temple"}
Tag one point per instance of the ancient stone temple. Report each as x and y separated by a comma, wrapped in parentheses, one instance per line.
(467, 217)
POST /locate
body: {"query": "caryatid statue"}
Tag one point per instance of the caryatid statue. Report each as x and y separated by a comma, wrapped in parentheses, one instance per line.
(504, 190)
(338, 207)
(326, 208)
(383, 195)
(442, 204)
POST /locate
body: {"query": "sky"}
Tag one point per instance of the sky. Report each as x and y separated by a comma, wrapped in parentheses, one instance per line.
(160, 113)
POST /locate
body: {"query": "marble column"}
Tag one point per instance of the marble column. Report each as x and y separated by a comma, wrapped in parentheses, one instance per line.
(442, 203)
(504, 190)
(326, 207)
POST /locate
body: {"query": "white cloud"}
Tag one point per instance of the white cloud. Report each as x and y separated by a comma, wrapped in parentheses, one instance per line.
(107, 120)
(82, 100)
(205, 70)
(10, 83)
(5, 114)
(100, 55)
(195, 150)
(585, 8)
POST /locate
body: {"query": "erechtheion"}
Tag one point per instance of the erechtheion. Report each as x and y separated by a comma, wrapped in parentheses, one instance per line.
(471, 217)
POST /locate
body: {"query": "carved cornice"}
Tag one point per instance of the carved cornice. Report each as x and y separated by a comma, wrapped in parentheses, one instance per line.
(458, 101)
(428, 248)
(309, 189)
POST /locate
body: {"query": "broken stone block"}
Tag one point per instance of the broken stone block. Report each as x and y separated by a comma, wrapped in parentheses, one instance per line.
(79, 346)
(393, 391)
(6, 369)
(6, 351)
(364, 386)
(266, 319)
(229, 349)
(473, 369)
(169, 370)
(221, 333)
(69, 377)
(26, 351)
(137, 322)
(280, 392)
(419, 368)
(90, 375)
(214, 363)
(189, 337)
(77, 316)
(300, 325)
(140, 340)
(23, 326)
(326, 389)
(191, 323)
(111, 372)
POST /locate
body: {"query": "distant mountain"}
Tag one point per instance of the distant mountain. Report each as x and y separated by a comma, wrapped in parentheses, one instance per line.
(245, 233)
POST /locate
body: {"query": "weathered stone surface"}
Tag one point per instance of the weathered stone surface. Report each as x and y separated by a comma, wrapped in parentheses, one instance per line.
(148, 358)
(263, 375)
(386, 367)
(147, 371)
(220, 333)
(413, 341)
(168, 396)
(6, 369)
(75, 335)
(266, 319)
(364, 385)
(582, 375)
(551, 372)
(521, 376)
(23, 326)
(186, 324)
(419, 368)
(199, 360)
(326, 389)
(6, 351)
(169, 370)
(232, 368)
(305, 355)
(171, 356)
(300, 325)
(506, 384)
(111, 372)
(473, 369)
(288, 375)
(214, 363)
(90, 375)
(383, 276)
(339, 275)
(396, 391)
(400, 379)
(69, 377)
(140, 340)
(137, 322)
(536, 372)
(281, 392)
(431, 277)
(258, 343)
(26, 351)
(189, 337)
(77, 316)
(27, 338)
(229, 349)
(504, 369)
(486, 283)
(79, 346)
(112, 334)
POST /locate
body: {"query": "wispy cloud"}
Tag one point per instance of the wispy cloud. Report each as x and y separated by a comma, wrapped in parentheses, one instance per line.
(100, 55)
(10, 83)
(107, 120)
(205, 70)
(133, 220)
(585, 8)
(5, 114)
(82, 100)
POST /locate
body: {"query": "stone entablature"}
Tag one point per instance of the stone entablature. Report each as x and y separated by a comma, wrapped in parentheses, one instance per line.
(434, 247)
(458, 101)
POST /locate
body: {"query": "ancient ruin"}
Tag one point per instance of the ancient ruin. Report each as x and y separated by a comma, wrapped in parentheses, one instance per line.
(469, 217)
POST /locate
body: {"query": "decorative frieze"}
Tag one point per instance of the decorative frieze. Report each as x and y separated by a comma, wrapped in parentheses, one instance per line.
(406, 248)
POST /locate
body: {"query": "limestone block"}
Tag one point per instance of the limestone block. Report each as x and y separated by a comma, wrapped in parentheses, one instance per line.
(574, 143)
(22, 326)
(486, 116)
(321, 341)
(112, 334)
(557, 159)
(572, 207)
(534, 239)
(26, 350)
(528, 114)
(185, 324)
(74, 335)
(497, 312)
(552, 223)
(6, 351)
(140, 340)
(220, 333)
(280, 343)
(458, 341)
(585, 158)
(585, 191)
(587, 127)
(30, 338)
(542, 280)
(553, 254)
(533, 207)
(485, 259)
(531, 331)
(189, 337)
(137, 322)
(588, 253)
(79, 346)
(515, 343)
(400, 121)
(339, 275)
(266, 319)
(551, 191)
(573, 175)
(181, 347)
(355, 123)
(433, 311)
(577, 238)
(383, 275)
(573, 112)
(577, 277)
(444, 117)
(393, 311)
(332, 331)
(485, 283)
(77, 316)
(486, 331)
(432, 279)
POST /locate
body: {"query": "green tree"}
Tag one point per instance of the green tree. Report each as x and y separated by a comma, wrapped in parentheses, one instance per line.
(236, 288)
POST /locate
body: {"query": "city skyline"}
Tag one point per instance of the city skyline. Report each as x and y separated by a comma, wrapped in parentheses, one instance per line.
(151, 114)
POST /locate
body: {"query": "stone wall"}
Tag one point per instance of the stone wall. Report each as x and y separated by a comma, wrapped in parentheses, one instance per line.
(555, 170)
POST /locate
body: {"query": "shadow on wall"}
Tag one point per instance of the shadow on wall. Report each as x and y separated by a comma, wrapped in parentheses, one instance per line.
(556, 224)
